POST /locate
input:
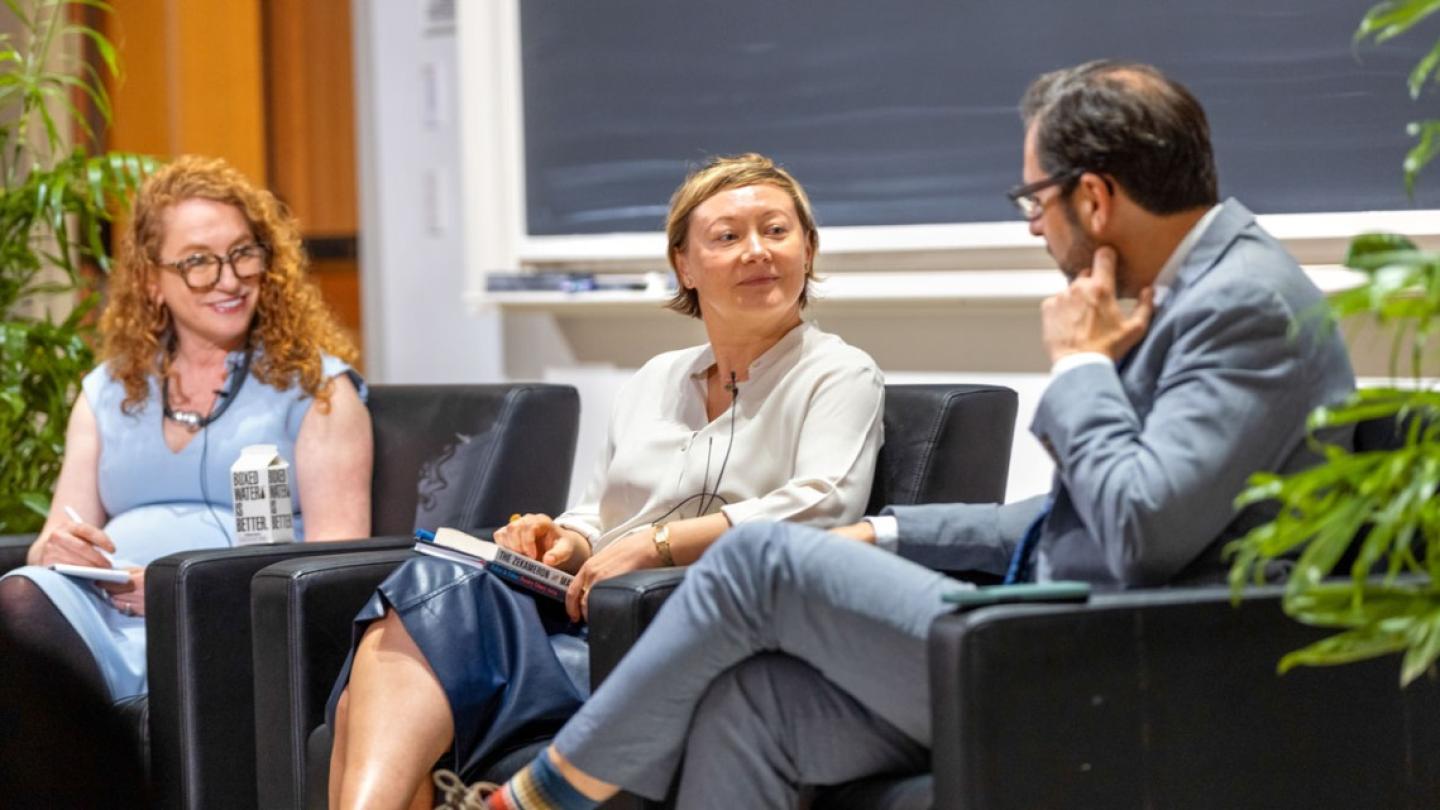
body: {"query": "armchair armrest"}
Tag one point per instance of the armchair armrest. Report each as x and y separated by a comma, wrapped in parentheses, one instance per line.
(1167, 698)
(303, 610)
(13, 548)
(620, 610)
(202, 717)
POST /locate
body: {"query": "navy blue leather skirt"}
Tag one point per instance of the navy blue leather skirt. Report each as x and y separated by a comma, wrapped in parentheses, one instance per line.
(513, 667)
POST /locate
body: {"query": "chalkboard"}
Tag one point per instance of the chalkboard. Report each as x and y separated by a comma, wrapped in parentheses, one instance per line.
(904, 111)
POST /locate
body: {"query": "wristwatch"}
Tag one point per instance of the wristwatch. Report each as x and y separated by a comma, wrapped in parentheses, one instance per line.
(662, 545)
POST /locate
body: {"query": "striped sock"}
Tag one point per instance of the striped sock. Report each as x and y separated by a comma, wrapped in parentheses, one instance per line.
(539, 786)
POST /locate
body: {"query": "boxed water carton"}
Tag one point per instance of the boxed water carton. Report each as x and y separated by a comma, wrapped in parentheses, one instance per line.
(261, 481)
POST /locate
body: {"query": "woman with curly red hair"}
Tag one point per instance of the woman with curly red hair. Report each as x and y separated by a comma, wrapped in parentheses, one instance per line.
(213, 340)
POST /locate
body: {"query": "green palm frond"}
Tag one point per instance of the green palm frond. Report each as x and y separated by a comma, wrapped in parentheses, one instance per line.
(54, 204)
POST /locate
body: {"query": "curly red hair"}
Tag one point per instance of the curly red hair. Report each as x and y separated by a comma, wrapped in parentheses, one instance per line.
(292, 327)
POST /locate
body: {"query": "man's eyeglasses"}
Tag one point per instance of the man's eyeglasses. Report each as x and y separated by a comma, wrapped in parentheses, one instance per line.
(201, 270)
(1024, 197)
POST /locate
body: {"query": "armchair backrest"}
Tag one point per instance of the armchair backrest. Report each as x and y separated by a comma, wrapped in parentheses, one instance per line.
(504, 443)
(944, 444)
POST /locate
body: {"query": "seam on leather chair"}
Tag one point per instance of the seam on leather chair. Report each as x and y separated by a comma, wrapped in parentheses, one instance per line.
(931, 436)
(183, 666)
(505, 417)
(296, 688)
(952, 400)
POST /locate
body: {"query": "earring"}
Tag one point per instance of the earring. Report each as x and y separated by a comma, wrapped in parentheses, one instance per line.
(160, 318)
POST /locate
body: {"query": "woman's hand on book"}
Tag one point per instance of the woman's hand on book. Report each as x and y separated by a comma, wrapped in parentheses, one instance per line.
(632, 552)
(537, 537)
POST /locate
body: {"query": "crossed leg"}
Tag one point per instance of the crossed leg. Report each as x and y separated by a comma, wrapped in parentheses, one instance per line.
(773, 727)
(858, 615)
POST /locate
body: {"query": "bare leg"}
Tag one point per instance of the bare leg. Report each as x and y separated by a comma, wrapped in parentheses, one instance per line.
(394, 725)
(424, 797)
(337, 749)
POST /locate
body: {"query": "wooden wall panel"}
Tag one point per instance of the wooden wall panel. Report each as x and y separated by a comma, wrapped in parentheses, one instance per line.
(312, 113)
(339, 282)
(219, 55)
(194, 80)
(141, 98)
(309, 76)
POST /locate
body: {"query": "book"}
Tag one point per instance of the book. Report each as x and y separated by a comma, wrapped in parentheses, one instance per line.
(517, 569)
(531, 282)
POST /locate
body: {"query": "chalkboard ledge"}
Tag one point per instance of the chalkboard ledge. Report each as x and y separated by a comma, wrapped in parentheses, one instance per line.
(856, 291)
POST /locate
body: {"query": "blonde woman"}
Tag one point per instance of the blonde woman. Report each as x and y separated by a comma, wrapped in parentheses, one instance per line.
(771, 419)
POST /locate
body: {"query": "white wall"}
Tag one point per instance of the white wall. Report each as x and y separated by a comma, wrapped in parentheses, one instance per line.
(412, 246)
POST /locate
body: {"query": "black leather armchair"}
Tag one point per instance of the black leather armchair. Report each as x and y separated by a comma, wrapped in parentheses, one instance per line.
(477, 452)
(941, 442)
(13, 548)
(1169, 698)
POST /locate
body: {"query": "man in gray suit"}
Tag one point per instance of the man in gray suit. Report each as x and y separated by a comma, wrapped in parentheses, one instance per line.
(792, 657)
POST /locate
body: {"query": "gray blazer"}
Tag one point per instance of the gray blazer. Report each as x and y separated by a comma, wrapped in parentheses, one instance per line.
(1150, 454)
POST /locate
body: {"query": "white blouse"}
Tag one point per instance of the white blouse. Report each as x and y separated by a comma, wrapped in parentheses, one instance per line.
(806, 428)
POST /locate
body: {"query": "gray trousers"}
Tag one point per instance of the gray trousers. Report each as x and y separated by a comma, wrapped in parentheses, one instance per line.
(848, 698)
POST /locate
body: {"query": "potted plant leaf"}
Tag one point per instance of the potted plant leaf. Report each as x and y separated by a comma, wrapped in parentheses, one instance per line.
(1372, 515)
(56, 198)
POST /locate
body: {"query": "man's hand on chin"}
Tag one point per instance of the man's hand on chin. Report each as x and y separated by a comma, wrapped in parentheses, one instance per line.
(862, 531)
(1086, 316)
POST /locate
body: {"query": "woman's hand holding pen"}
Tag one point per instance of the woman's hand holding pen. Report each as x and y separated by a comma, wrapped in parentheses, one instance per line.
(74, 542)
(537, 537)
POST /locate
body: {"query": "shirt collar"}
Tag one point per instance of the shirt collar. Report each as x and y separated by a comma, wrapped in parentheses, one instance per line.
(706, 358)
(1166, 279)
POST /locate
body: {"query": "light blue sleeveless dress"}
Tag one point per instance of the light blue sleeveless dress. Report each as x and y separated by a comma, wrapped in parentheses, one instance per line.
(159, 502)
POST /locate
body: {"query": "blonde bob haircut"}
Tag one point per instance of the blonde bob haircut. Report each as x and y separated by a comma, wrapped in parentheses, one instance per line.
(721, 174)
(292, 326)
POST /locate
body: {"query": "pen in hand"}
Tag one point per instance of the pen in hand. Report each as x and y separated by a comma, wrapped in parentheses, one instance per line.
(123, 606)
(77, 519)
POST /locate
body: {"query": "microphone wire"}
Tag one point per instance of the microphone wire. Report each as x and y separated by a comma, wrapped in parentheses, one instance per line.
(734, 404)
(223, 395)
